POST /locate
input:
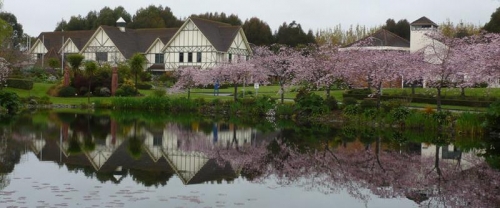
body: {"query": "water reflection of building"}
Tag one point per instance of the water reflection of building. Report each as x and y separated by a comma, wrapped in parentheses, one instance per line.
(448, 153)
(166, 151)
(178, 146)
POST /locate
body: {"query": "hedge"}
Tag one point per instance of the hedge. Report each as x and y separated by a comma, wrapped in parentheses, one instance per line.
(428, 100)
(20, 83)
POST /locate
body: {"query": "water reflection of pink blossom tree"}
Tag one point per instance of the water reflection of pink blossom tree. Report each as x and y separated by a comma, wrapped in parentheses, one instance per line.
(431, 181)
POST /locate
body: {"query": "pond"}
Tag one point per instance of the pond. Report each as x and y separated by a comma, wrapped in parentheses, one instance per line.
(127, 159)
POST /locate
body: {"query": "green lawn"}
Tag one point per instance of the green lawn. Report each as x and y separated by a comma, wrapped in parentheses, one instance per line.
(40, 90)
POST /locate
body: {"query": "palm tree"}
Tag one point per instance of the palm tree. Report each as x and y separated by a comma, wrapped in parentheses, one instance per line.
(90, 68)
(136, 65)
(75, 61)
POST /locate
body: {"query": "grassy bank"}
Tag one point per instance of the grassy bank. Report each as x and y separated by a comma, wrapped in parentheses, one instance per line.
(40, 90)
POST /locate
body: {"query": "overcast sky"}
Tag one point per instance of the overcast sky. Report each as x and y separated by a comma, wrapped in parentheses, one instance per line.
(42, 15)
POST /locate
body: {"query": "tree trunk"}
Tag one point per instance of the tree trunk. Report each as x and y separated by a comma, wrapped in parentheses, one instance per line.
(413, 85)
(235, 92)
(328, 88)
(462, 92)
(379, 94)
(189, 93)
(88, 93)
(282, 91)
(438, 99)
(136, 83)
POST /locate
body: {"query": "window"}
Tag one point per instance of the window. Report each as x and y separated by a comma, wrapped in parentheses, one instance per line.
(198, 57)
(159, 58)
(230, 58)
(101, 56)
(181, 57)
(39, 55)
(157, 140)
(190, 57)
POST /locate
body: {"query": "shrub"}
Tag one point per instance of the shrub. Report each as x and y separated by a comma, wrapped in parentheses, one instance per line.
(349, 101)
(105, 92)
(364, 91)
(20, 84)
(182, 105)
(368, 103)
(125, 91)
(103, 104)
(285, 109)
(331, 103)
(67, 92)
(159, 93)
(441, 117)
(370, 112)
(493, 117)
(155, 103)
(144, 86)
(400, 113)
(351, 110)
(391, 104)
(10, 101)
(307, 104)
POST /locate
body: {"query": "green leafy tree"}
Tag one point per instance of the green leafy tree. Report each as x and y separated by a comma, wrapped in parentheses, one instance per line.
(401, 28)
(75, 61)
(17, 28)
(339, 36)
(494, 24)
(154, 17)
(293, 35)
(53, 63)
(76, 23)
(106, 16)
(137, 65)
(222, 17)
(460, 30)
(5, 32)
(258, 32)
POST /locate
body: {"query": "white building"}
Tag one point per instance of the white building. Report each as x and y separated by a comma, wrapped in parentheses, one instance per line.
(198, 42)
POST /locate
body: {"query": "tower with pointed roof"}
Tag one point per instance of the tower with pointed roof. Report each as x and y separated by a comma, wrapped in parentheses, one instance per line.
(418, 30)
(120, 23)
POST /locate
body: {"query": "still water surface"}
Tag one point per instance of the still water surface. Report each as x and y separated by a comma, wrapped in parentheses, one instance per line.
(54, 159)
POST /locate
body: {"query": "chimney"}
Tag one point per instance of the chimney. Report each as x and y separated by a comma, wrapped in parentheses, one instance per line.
(121, 24)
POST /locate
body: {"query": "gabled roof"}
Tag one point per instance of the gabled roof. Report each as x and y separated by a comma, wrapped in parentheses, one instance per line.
(423, 21)
(386, 38)
(79, 39)
(132, 41)
(221, 35)
(54, 40)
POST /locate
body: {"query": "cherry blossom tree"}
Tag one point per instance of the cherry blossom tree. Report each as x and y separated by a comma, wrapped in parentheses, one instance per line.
(4, 71)
(324, 67)
(376, 67)
(280, 63)
(484, 50)
(186, 79)
(442, 62)
(238, 73)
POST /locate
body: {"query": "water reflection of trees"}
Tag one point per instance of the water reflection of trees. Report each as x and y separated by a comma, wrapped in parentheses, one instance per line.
(419, 165)
(438, 175)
